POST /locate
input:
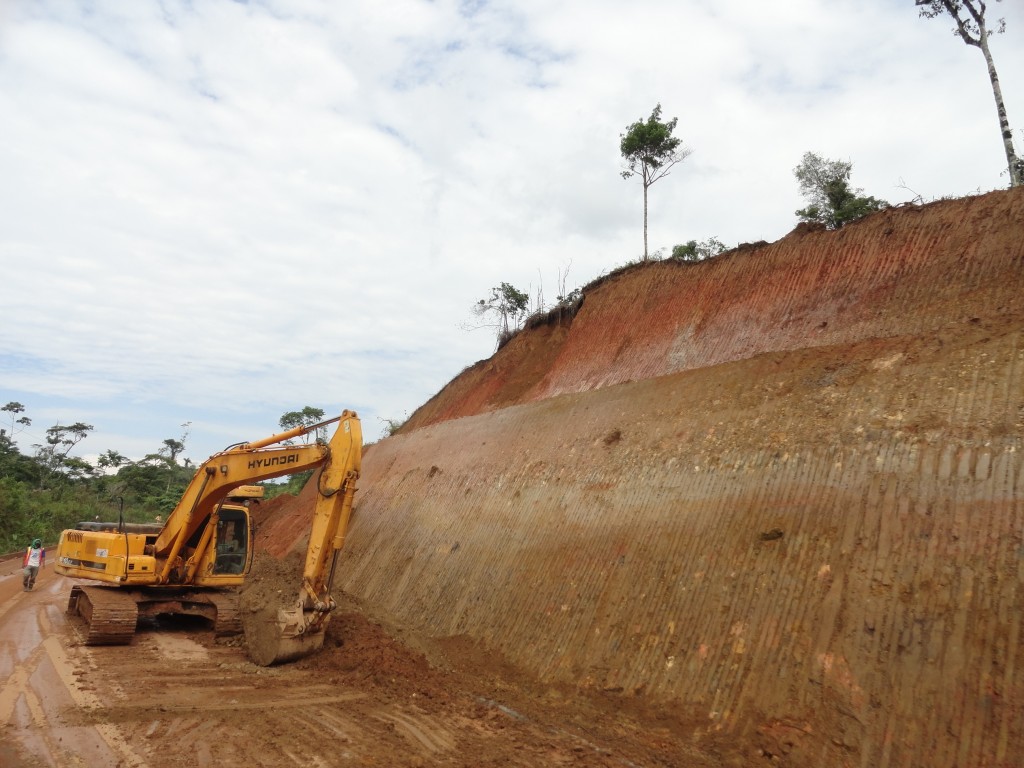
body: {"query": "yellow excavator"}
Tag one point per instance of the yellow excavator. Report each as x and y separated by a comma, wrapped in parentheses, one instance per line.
(197, 560)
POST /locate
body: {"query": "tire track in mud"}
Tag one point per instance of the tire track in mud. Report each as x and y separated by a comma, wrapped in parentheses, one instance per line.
(177, 696)
(41, 683)
(206, 706)
(421, 731)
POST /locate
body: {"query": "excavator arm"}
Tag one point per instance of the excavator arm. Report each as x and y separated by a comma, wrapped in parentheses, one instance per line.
(171, 555)
(238, 465)
(336, 488)
(298, 630)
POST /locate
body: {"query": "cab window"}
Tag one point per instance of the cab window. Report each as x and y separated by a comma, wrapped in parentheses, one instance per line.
(232, 542)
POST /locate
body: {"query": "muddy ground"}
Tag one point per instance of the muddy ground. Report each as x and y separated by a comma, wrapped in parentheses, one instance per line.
(372, 697)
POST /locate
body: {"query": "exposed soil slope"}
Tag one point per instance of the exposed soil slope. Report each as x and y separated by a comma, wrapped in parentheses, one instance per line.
(905, 271)
(775, 498)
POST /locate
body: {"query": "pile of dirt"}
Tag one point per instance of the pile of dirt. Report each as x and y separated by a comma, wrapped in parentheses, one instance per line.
(284, 522)
(494, 712)
(272, 585)
(457, 679)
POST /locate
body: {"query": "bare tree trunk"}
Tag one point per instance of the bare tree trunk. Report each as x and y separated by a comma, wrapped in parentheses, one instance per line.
(1012, 162)
(645, 219)
(977, 13)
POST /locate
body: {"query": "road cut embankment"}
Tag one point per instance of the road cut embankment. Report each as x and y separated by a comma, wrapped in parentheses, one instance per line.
(775, 498)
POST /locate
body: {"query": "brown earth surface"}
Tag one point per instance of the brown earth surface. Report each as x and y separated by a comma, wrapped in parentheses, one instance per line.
(762, 510)
(374, 696)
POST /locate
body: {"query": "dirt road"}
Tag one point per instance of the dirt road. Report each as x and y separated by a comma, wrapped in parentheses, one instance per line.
(370, 698)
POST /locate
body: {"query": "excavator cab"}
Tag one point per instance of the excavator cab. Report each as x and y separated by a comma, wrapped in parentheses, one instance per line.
(232, 541)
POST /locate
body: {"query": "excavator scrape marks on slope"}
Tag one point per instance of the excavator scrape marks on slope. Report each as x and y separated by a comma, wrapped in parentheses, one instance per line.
(752, 549)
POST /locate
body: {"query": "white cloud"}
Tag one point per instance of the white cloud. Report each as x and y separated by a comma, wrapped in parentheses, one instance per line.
(217, 212)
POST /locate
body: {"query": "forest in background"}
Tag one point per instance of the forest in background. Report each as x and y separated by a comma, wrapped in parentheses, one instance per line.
(46, 490)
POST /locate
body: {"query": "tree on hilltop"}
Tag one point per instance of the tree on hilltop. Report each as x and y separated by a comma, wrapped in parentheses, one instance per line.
(694, 251)
(971, 27)
(508, 305)
(825, 184)
(650, 151)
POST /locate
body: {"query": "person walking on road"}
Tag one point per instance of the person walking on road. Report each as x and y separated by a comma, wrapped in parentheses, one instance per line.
(35, 557)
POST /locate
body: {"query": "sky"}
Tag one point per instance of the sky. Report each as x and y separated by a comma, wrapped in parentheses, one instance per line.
(215, 212)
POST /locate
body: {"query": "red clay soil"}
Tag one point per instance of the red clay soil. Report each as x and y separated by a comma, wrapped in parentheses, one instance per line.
(901, 272)
(773, 499)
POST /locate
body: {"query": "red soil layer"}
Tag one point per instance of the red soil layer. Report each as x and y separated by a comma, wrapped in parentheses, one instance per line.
(282, 522)
(795, 523)
(900, 272)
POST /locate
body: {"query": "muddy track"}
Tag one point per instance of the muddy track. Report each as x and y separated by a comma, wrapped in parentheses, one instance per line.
(179, 696)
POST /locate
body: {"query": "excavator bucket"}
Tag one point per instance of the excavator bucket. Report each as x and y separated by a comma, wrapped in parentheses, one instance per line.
(273, 636)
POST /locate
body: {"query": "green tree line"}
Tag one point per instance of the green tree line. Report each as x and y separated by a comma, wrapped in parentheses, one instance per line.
(46, 490)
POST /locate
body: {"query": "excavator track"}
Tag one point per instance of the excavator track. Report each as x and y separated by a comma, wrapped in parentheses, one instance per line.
(229, 612)
(218, 606)
(110, 615)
